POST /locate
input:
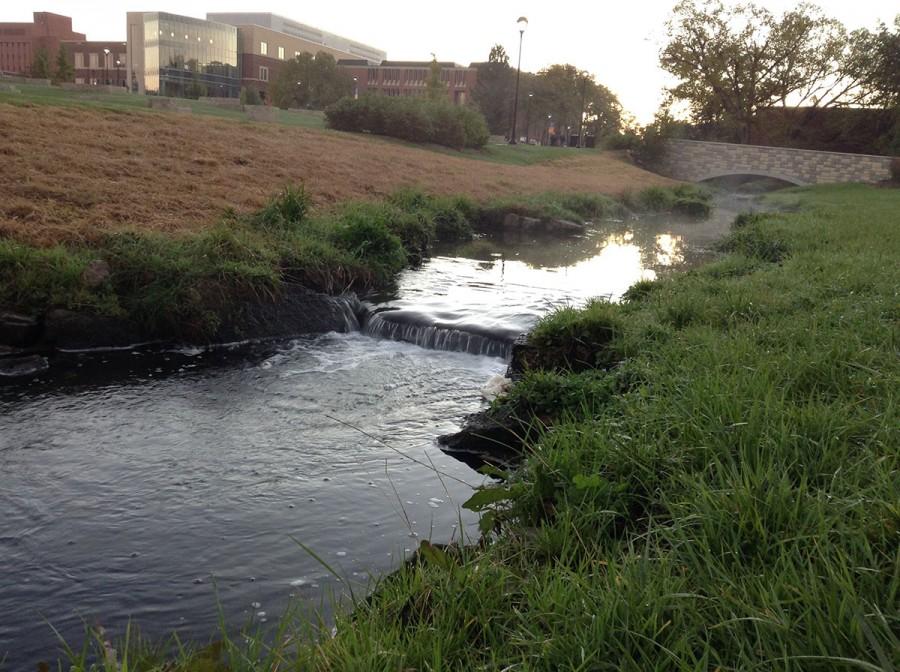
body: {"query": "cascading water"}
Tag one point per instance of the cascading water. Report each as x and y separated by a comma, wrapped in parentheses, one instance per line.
(166, 486)
(390, 325)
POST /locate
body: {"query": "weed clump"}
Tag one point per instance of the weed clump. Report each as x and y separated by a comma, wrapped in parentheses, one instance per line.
(756, 239)
(573, 339)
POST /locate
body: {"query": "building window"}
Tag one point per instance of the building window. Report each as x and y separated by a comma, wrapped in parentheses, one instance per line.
(281, 53)
(264, 48)
(264, 73)
(79, 60)
(94, 60)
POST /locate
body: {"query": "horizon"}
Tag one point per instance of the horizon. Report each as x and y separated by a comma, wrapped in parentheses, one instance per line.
(628, 36)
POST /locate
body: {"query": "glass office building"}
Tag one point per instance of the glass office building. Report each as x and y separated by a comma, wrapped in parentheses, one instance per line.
(180, 56)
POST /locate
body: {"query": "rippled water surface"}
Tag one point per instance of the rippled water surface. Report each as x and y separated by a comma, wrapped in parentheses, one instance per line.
(151, 485)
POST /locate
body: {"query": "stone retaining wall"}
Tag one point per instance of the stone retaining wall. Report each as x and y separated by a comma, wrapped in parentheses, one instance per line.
(695, 161)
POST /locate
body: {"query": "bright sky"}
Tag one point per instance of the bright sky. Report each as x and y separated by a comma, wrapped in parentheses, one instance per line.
(617, 41)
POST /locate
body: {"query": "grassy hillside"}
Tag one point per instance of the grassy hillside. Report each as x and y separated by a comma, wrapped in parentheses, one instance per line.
(71, 171)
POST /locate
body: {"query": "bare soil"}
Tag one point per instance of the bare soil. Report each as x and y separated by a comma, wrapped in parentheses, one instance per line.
(71, 174)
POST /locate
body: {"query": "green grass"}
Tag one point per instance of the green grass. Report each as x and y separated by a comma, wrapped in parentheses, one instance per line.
(187, 286)
(31, 94)
(522, 155)
(720, 493)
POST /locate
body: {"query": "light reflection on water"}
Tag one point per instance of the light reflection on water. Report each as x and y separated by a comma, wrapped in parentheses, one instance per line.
(150, 493)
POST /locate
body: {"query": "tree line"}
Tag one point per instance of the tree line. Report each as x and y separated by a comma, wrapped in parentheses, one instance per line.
(560, 99)
(741, 68)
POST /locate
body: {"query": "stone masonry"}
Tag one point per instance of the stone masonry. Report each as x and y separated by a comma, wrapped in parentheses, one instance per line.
(694, 161)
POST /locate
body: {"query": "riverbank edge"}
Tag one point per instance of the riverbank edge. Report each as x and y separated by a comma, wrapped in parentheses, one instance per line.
(590, 552)
(281, 272)
(581, 564)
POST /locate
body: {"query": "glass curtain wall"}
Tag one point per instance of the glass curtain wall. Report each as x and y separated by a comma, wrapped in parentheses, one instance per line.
(189, 58)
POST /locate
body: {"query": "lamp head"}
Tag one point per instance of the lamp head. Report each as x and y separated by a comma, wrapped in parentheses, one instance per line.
(522, 22)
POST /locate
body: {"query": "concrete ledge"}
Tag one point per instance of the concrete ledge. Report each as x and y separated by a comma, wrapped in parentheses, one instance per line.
(89, 88)
(230, 103)
(261, 113)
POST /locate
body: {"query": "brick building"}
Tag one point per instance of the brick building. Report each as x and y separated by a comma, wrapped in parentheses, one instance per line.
(19, 42)
(98, 63)
(267, 41)
(410, 78)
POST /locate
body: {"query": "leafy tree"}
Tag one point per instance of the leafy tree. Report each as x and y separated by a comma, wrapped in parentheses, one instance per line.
(874, 63)
(311, 82)
(498, 55)
(495, 89)
(732, 61)
(64, 70)
(40, 66)
(435, 89)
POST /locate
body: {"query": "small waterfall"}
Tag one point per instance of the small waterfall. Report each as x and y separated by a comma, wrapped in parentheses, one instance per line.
(350, 310)
(398, 326)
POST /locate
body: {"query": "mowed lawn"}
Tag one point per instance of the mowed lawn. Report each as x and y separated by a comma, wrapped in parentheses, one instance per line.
(72, 171)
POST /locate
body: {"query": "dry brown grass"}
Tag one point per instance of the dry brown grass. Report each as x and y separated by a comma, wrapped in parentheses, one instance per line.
(69, 174)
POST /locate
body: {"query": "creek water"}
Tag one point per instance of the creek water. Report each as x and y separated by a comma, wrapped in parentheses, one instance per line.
(165, 486)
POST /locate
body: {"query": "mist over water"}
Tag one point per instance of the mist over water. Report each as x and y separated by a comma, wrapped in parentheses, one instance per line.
(151, 485)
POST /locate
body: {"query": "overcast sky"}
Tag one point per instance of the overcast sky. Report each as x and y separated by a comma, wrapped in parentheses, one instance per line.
(617, 41)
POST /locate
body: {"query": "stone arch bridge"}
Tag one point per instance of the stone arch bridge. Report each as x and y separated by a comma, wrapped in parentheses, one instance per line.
(696, 161)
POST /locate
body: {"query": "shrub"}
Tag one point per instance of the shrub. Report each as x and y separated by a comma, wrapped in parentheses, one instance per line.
(411, 119)
(895, 169)
(249, 96)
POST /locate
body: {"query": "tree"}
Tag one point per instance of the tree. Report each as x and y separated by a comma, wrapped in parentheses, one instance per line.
(64, 70)
(494, 90)
(435, 88)
(731, 62)
(498, 55)
(874, 62)
(310, 81)
(40, 66)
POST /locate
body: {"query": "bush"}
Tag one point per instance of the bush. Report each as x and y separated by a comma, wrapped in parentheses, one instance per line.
(249, 96)
(411, 119)
(895, 169)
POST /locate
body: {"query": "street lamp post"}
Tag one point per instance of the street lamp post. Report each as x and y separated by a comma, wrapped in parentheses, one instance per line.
(528, 118)
(547, 129)
(118, 65)
(355, 88)
(106, 67)
(581, 120)
(523, 24)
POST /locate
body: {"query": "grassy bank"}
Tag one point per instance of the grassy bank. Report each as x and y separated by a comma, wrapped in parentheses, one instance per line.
(185, 286)
(719, 486)
(715, 487)
(104, 170)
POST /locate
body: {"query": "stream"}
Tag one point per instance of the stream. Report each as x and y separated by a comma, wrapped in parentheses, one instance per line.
(164, 485)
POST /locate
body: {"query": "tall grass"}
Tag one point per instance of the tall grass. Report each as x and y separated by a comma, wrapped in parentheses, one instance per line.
(718, 492)
(725, 497)
(186, 286)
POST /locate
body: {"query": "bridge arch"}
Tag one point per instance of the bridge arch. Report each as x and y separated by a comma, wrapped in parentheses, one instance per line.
(696, 161)
(775, 175)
